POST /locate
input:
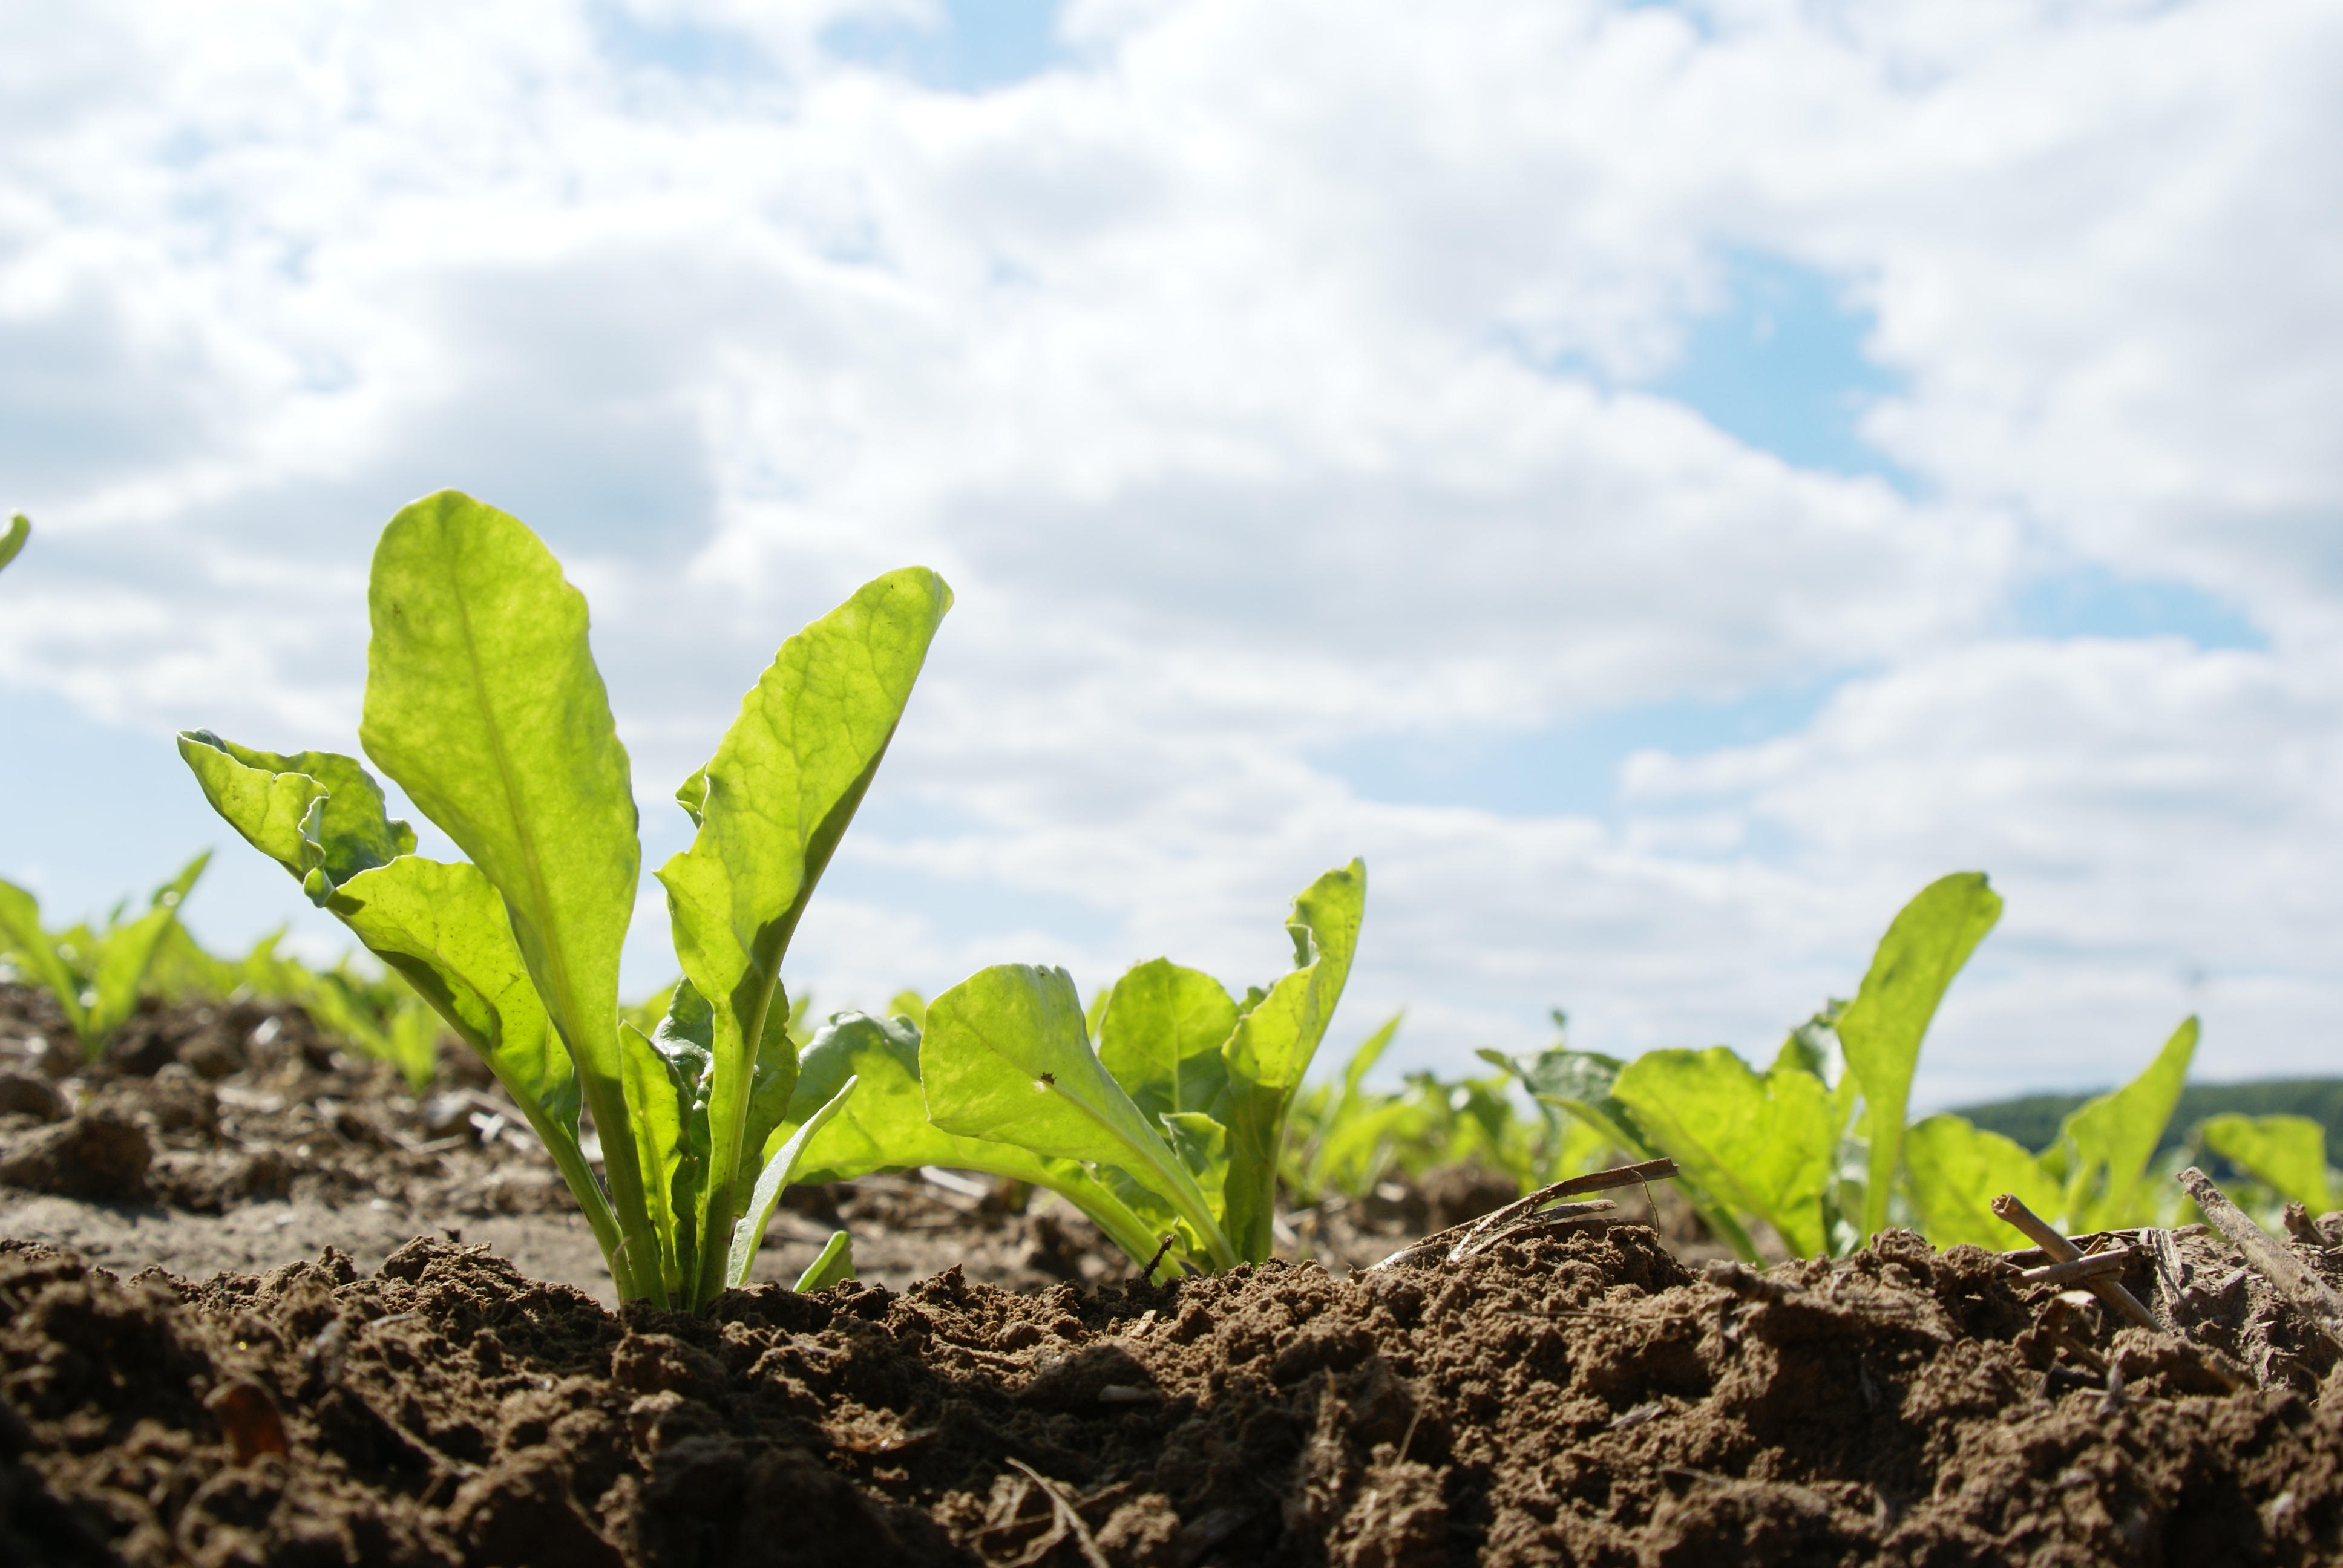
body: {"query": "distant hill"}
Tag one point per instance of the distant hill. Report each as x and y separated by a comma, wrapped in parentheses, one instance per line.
(2032, 1121)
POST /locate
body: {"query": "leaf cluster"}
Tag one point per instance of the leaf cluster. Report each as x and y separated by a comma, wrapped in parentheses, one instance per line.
(1159, 1112)
(484, 704)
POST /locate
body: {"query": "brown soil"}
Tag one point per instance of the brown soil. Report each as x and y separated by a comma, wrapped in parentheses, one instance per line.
(1572, 1396)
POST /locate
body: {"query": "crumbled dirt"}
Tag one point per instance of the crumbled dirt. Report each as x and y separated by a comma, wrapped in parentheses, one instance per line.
(446, 1381)
(1575, 1397)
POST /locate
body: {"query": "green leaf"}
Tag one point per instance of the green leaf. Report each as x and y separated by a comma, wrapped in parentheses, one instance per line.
(886, 1126)
(666, 1089)
(2285, 1154)
(2111, 1138)
(1006, 1057)
(35, 953)
(441, 927)
(1275, 1041)
(1161, 1037)
(1882, 1028)
(272, 798)
(909, 1004)
(835, 1266)
(780, 1170)
(20, 528)
(771, 806)
(484, 703)
(1762, 1144)
(1954, 1171)
(128, 953)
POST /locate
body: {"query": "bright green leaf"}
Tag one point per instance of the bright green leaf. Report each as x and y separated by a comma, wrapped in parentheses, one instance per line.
(1954, 1171)
(779, 1170)
(1761, 1144)
(1275, 1041)
(771, 806)
(1881, 1029)
(20, 528)
(484, 703)
(1160, 1036)
(36, 954)
(272, 798)
(128, 952)
(835, 1265)
(2287, 1153)
(2111, 1138)
(886, 1126)
(1006, 1057)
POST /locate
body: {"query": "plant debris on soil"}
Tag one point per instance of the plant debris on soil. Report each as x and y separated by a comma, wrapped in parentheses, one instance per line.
(1578, 1394)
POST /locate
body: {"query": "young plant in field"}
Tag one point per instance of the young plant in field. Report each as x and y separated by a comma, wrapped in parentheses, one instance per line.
(1171, 1127)
(2095, 1176)
(382, 1016)
(885, 1126)
(96, 976)
(1776, 1147)
(1341, 1135)
(482, 702)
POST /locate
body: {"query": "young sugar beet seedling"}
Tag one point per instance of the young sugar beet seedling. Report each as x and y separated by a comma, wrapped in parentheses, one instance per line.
(482, 702)
(97, 976)
(1171, 1127)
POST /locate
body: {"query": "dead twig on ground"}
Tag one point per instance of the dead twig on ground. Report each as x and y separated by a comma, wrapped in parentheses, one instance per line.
(2093, 1266)
(2062, 1250)
(2285, 1271)
(1459, 1243)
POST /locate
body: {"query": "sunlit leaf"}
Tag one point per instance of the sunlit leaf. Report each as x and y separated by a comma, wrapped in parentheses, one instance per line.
(2285, 1153)
(1273, 1043)
(771, 808)
(1005, 1057)
(1954, 1171)
(1762, 1145)
(2111, 1138)
(834, 1266)
(484, 703)
(1881, 1029)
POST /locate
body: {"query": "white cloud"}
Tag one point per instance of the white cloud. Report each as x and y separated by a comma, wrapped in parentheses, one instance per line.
(1262, 379)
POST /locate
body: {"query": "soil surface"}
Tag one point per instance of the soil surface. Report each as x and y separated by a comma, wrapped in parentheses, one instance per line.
(1579, 1394)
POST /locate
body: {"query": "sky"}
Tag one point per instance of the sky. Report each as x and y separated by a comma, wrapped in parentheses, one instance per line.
(1660, 482)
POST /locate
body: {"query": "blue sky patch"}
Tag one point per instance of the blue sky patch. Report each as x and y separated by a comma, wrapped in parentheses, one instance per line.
(1567, 769)
(2092, 601)
(1782, 368)
(685, 48)
(978, 44)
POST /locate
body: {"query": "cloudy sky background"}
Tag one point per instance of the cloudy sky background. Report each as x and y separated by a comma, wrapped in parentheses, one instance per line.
(1660, 482)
